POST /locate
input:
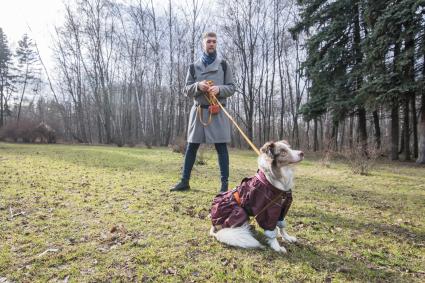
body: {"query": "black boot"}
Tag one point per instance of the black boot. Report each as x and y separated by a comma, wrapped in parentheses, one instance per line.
(224, 187)
(182, 186)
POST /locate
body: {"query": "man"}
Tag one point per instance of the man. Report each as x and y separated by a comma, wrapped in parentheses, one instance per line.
(203, 126)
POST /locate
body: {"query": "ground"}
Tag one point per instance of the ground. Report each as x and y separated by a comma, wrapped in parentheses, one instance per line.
(74, 213)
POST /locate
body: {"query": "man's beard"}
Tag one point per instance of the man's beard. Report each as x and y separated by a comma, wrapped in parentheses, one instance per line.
(211, 51)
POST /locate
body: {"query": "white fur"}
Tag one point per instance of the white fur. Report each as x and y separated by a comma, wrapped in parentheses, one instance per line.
(286, 237)
(238, 237)
(285, 180)
(280, 175)
(274, 244)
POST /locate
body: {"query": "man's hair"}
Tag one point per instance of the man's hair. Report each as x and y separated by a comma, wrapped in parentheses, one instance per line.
(209, 34)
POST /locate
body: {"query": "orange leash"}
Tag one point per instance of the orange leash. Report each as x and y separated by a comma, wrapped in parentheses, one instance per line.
(240, 130)
(214, 100)
(212, 109)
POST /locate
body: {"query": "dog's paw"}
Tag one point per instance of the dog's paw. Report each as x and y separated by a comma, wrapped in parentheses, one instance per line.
(280, 249)
(291, 239)
(274, 244)
(286, 237)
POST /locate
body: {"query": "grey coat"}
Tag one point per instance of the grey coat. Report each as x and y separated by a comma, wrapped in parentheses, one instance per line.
(218, 131)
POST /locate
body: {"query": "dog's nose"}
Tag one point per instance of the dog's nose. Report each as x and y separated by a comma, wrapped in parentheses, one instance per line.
(302, 154)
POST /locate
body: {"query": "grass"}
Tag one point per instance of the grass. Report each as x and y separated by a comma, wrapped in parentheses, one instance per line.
(97, 213)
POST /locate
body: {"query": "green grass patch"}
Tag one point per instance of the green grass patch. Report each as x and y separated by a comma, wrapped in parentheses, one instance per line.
(98, 213)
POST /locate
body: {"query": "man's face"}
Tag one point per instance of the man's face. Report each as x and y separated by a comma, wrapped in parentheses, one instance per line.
(209, 44)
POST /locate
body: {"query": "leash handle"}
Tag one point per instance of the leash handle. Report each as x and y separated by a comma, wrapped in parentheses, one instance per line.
(199, 112)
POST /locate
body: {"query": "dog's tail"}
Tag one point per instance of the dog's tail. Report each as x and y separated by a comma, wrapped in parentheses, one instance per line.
(238, 237)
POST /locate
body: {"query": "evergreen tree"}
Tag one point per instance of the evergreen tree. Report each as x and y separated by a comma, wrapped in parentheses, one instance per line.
(363, 54)
(334, 60)
(5, 77)
(28, 66)
(395, 30)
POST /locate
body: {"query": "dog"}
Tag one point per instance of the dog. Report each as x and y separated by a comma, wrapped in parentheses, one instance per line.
(267, 196)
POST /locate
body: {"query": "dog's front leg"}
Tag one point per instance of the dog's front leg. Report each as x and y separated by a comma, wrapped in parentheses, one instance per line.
(281, 227)
(272, 241)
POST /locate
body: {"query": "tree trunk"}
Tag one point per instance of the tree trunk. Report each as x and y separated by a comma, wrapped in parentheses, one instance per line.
(315, 137)
(333, 142)
(1, 103)
(394, 131)
(414, 125)
(421, 146)
(321, 133)
(362, 129)
(351, 131)
(342, 139)
(408, 78)
(377, 129)
(23, 93)
(406, 130)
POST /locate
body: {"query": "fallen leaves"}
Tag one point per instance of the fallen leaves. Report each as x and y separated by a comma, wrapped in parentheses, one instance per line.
(12, 214)
(51, 250)
(89, 206)
(170, 271)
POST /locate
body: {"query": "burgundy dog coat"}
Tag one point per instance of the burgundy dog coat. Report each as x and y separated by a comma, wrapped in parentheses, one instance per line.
(256, 195)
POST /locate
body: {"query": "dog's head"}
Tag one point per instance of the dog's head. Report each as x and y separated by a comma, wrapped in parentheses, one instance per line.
(280, 154)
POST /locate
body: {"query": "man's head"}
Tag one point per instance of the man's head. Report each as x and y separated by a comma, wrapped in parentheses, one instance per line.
(209, 42)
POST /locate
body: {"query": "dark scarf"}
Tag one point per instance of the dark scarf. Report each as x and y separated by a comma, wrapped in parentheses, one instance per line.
(207, 59)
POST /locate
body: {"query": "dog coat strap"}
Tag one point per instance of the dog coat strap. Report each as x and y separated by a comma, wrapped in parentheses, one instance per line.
(272, 202)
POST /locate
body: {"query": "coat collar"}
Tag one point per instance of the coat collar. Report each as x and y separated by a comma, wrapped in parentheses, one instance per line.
(262, 178)
(210, 68)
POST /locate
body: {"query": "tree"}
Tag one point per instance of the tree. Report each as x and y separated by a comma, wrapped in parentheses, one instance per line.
(421, 145)
(334, 61)
(395, 35)
(5, 77)
(28, 67)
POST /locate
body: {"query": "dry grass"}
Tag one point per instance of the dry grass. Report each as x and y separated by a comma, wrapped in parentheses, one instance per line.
(96, 214)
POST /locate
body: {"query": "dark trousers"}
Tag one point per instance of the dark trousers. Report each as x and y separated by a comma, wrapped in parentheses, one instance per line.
(223, 161)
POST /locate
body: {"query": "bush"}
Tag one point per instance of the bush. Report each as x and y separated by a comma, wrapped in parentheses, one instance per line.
(28, 131)
(361, 161)
(325, 160)
(178, 145)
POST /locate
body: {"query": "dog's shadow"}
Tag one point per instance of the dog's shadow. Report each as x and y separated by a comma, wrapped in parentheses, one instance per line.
(349, 266)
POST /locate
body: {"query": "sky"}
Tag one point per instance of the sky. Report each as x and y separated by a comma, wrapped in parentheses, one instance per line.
(37, 18)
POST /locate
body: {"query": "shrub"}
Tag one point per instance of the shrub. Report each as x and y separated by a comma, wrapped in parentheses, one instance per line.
(361, 161)
(178, 145)
(28, 131)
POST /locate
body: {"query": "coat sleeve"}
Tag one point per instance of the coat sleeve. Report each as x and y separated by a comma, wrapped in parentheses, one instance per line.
(191, 86)
(268, 218)
(228, 89)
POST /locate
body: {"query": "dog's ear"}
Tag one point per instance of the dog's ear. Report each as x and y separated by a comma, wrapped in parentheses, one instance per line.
(268, 149)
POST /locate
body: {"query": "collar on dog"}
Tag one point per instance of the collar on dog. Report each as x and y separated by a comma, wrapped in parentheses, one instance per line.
(262, 178)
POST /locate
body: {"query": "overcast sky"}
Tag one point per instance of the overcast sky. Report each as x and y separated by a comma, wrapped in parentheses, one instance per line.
(37, 18)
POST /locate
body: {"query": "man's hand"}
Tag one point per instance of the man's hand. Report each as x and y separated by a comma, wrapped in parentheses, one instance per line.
(203, 86)
(213, 90)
